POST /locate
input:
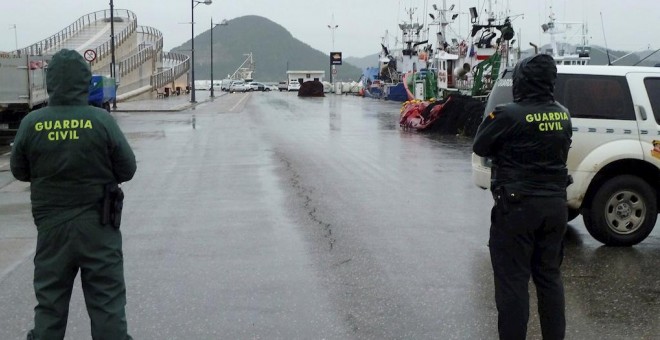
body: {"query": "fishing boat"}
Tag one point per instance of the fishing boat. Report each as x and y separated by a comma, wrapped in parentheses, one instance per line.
(471, 65)
(418, 78)
(372, 85)
(558, 49)
(401, 72)
(466, 69)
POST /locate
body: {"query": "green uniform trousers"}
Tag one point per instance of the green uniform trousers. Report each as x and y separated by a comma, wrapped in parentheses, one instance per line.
(82, 243)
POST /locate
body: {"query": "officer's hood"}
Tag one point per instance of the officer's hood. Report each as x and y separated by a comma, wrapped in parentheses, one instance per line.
(68, 79)
(534, 79)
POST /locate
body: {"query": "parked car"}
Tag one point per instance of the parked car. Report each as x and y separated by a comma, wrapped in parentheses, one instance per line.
(215, 86)
(256, 86)
(239, 86)
(226, 83)
(615, 155)
(294, 85)
(283, 86)
(270, 87)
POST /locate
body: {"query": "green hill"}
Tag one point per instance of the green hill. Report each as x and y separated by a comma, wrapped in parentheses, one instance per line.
(273, 48)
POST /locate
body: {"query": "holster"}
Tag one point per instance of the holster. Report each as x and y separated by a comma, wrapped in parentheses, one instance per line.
(504, 198)
(113, 203)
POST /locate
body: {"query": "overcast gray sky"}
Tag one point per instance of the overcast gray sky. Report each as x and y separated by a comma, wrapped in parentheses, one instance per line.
(629, 25)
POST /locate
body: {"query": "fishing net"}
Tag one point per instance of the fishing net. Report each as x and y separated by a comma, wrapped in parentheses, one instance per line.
(457, 115)
(311, 89)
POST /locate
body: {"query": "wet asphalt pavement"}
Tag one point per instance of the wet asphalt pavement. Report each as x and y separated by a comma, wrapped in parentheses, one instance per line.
(278, 217)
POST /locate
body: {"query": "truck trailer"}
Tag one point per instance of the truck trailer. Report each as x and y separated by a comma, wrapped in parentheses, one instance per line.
(22, 87)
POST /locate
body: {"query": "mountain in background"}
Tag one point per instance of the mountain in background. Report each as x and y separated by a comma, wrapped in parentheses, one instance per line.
(364, 62)
(274, 51)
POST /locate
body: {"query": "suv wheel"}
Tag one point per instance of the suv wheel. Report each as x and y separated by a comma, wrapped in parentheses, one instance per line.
(623, 211)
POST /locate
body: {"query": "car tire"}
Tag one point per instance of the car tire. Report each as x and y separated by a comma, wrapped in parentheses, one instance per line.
(622, 212)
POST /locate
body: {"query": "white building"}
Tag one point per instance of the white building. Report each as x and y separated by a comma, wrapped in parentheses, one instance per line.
(303, 76)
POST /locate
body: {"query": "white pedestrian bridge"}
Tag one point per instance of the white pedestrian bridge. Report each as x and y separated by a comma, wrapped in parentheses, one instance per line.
(142, 65)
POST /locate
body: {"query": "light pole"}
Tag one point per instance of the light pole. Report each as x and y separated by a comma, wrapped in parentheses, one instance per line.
(13, 27)
(194, 3)
(332, 28)
(222, 23)
(113, 71)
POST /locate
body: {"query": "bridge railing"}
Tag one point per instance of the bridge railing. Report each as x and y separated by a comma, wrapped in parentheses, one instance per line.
(102, 51)
(155, 35)
(182, 64)
(181, 61)
(137, 58)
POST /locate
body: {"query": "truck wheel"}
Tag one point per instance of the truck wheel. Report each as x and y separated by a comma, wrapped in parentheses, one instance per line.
(572, 214)
(623, 211)
(106, 106)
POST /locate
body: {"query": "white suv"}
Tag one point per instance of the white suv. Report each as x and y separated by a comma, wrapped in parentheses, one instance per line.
(294, 85)
(615, 155)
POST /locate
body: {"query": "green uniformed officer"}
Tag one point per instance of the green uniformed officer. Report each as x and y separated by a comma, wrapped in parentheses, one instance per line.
(69, 152)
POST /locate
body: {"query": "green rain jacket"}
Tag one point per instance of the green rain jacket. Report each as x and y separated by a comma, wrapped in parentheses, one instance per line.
(69, 150)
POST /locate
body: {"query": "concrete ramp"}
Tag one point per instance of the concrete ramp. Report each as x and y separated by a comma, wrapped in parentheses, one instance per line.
(139, 55)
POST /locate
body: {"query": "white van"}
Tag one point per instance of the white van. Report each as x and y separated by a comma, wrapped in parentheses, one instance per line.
(615, 155)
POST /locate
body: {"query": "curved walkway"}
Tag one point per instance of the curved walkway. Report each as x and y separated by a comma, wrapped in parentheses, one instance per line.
(139, 54)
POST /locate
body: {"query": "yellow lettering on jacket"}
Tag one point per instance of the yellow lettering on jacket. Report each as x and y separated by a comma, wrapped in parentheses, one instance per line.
(63, 124)
(64, 129)
(63, 135)
(548, 121)
(553, 126)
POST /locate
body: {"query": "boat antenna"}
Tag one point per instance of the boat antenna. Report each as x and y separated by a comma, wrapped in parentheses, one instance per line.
(609, 62)
(654, 52)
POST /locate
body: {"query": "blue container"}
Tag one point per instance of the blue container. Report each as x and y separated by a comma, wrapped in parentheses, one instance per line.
(102, 90)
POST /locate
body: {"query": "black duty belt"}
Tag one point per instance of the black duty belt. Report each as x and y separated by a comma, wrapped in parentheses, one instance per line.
(559, 177)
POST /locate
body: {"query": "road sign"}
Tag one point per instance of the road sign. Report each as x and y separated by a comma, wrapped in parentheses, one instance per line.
(335, 58)
(90, 55)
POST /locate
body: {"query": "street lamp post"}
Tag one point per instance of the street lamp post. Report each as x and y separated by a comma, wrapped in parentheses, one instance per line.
(332, 28)
(194, 3)
(222, 23)
(15, 34)
(113, 71)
